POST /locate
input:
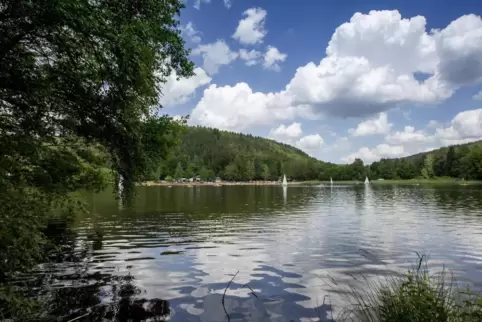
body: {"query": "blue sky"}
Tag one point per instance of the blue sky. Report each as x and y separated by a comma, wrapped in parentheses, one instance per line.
(338, 79)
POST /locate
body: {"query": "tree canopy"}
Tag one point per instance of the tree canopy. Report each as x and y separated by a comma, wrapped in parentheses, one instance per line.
(80, 83)
(84, 69)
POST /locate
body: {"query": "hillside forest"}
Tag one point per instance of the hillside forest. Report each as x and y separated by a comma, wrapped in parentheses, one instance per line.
(211, 153)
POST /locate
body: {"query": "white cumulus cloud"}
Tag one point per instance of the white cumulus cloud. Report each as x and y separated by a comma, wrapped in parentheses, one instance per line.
(465, 127)
(380, 151)
(373, 63)
(285, 133)
(272, 57)
(189, 32)
(310, 143)
(459, 47)
(293, 135)
(370, 66)
(373, 126)
(238, 108)
(409, 136)
(250, 57)
(179, 91)
(215, 55)
(251, 29)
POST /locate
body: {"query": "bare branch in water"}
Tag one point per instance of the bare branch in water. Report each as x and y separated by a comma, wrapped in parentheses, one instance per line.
(252, 292)
(224, 295)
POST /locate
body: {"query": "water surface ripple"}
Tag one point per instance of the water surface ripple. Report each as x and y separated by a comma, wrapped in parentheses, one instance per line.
(297, 249)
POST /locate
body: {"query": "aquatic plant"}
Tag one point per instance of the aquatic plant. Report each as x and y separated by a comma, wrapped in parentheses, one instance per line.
(417, 295)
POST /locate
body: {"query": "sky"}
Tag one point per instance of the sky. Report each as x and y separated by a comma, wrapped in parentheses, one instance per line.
(338, 79)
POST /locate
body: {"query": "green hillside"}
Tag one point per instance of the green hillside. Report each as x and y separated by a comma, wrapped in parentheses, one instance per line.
(214, 153)
(211, 153)
(456, 161)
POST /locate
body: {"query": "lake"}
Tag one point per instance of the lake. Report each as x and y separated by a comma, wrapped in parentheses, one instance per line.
(296, 251)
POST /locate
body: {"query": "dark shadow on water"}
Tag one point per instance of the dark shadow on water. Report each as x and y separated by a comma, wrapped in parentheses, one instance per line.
(118, 299)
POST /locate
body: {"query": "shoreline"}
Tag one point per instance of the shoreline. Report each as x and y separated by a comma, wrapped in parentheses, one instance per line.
(216, 184)
(314, 182)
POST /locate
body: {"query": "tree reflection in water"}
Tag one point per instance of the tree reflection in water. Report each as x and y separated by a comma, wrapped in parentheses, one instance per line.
(72, 292)
(124, 306)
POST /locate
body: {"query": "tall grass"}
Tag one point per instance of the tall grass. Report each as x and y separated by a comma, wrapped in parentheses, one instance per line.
(416, 296)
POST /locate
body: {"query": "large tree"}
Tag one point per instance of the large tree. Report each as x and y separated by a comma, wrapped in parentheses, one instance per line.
(76, 74)
(87, 69)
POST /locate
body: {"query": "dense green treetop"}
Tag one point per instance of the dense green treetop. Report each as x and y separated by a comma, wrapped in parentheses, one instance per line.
(84, 69)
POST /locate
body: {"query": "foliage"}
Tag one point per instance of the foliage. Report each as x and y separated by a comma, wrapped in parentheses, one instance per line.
(240, 157)
(234, 156)
(416, 296)
(85, 69)
(179, 173)
(265, 171)
(250, 170)
(79, 90)
(427, 170)
(459, 161)
(159, 135)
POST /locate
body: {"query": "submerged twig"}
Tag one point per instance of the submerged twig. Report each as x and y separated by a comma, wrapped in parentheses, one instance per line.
(79, 317)
(252, 292)
(224, 295)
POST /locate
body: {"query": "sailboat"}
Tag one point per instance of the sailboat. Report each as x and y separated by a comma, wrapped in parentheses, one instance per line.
(331, 181)
(285, 183)
(366, 180)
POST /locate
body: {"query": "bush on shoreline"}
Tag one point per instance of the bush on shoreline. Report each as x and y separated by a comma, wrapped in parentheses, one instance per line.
(417, 295)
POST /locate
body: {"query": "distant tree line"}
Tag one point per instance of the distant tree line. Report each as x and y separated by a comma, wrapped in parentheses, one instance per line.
(210, 153)
(463, 161)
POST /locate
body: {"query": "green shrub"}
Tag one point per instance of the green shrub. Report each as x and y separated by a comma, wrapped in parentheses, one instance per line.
(415, 296)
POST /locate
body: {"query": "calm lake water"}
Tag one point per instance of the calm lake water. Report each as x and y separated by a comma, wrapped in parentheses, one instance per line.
(297, 249)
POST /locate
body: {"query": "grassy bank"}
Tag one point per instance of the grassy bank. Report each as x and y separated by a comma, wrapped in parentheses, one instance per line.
(418, 295)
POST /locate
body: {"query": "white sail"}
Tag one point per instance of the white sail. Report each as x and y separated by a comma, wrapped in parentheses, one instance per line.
(285, 183)
(366, 180)
(331, 181)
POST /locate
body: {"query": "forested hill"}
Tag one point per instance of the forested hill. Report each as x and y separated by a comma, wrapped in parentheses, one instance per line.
(443, 151)
(212, 153)
(457, 161)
